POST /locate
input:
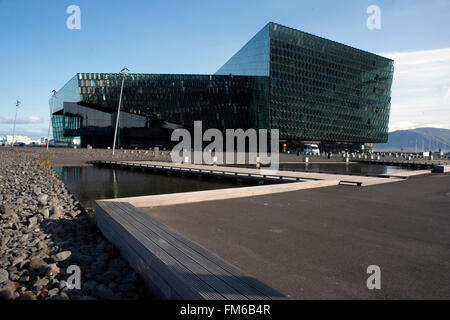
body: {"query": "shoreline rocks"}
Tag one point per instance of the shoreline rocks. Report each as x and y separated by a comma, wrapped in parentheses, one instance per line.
(43, 232)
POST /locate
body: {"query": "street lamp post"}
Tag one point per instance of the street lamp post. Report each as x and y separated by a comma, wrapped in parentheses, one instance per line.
(15, 118)
(51, 115)
(124, 73)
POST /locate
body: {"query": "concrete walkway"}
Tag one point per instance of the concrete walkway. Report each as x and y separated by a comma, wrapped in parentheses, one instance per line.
(318, 243)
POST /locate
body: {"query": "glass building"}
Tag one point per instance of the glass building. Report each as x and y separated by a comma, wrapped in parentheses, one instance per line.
(310, 88)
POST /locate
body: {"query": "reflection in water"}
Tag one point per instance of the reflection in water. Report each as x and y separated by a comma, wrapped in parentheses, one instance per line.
(93, 183)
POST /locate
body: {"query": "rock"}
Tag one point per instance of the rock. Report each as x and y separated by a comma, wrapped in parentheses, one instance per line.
(117, 264)
(33, 200)
(4, 241)
(27, 295)
(81, 258)
(43, 198)
(62, 284)
(103, 292)
(61, 296)
(101, 245)
(4, 276)
(62, 256)
(54, 200)
(43, 294)
(52, 270)
(7, 293)
(37, 191)
(90, 285)
(74, 214)
(41, 283)
(111, 275)
(130, 278)
(110, 249)
(19, 259)
(32, 222)
(53, 292)
(56, 213)
(37, 264)
(6, 212)
(45, 213)
(14, 276)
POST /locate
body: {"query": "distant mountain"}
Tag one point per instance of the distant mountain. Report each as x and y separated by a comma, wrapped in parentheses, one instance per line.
(424, 138)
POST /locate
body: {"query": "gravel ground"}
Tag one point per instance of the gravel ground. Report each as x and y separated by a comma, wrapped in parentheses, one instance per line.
(43, 230)
(79, 157)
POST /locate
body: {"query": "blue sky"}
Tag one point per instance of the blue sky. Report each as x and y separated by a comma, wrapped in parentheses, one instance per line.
(39, 53)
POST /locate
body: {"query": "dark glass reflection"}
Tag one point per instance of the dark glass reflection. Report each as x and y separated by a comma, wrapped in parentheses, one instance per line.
(307, 87)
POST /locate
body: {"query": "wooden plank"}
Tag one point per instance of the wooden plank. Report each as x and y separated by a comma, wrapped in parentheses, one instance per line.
(177, 271)
(148, 268)
(151, 267)
(169, 234)
(159, 287)
(180, 278)
(197, 268)
(172, 271)
(217, 270)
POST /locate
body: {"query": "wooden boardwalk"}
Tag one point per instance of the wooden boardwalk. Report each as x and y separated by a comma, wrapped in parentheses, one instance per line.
(250, 173)
(172, 266)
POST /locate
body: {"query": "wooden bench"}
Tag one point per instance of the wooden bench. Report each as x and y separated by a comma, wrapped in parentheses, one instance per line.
(173, 266)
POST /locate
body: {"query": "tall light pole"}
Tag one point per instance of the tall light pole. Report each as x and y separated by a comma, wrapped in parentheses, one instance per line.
(124, 73)
(51, 115)
(15, 118)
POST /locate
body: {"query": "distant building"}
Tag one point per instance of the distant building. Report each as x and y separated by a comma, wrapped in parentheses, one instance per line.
(8, 140)
(67, 142)
(310, 88)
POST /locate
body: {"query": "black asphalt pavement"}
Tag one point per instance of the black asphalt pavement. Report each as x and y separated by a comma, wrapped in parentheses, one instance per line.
(318, 243)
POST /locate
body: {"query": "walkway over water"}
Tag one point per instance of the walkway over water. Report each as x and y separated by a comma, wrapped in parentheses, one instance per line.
(259, 174)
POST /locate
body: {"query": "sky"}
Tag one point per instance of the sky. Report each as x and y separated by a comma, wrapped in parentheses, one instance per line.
(39, 53)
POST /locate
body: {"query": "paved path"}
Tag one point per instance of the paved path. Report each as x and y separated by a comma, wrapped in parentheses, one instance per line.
(317, 243)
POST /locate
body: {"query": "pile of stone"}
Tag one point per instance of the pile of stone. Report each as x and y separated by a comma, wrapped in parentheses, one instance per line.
(43, 231)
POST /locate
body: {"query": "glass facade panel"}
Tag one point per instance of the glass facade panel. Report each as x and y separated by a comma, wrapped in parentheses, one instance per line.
(252, 59)
(310, 88)
(325, 91)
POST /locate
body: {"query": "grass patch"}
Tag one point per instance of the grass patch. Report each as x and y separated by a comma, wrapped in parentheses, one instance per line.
(46, 160)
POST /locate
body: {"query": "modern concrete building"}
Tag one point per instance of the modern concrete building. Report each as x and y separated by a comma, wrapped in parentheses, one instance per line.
(311, 89)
